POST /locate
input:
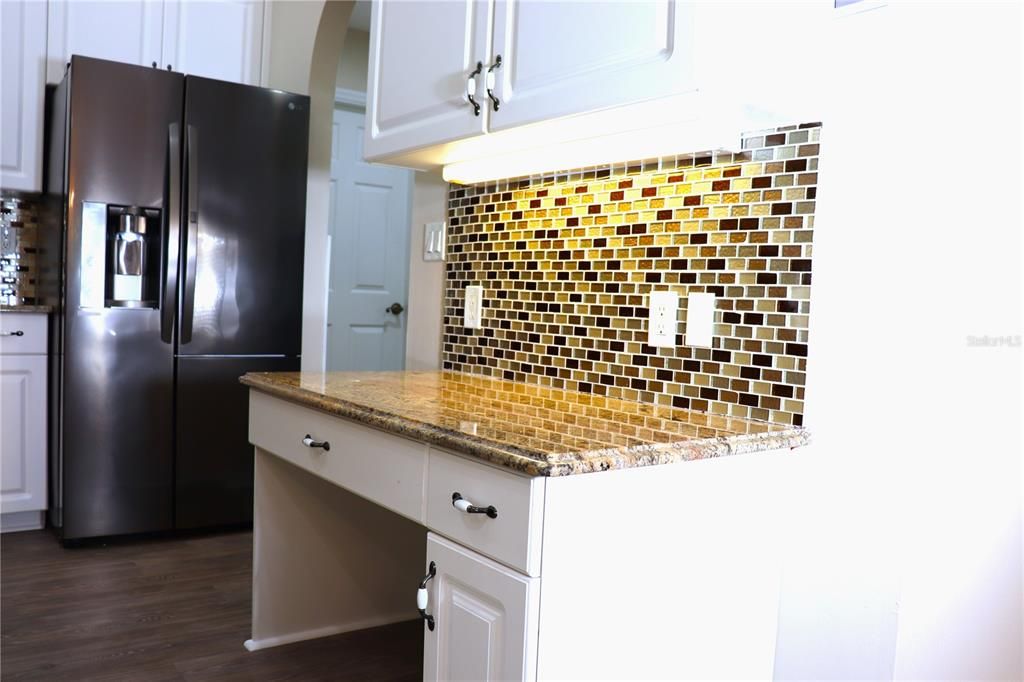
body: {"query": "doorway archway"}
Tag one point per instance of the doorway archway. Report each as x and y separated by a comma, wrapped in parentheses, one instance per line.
(303, 46)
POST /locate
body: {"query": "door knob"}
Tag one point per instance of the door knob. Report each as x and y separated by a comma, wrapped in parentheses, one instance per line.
(394, 308)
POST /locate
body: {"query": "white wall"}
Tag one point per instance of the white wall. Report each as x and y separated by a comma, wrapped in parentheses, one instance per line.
(426, 279)
(354, 62)
(291, 32)
(306, 41)
(905, 533)
(311, 51)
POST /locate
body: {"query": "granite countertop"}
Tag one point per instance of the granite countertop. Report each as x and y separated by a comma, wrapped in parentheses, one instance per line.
(26, 309)
(537, 430)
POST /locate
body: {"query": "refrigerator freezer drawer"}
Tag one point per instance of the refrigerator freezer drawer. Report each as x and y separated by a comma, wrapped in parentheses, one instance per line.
(213, 461)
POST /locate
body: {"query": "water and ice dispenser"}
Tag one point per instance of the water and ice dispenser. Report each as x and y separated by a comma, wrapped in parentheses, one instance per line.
(120, 256)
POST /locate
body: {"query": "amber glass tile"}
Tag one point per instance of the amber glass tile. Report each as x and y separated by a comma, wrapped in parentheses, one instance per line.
(567, 261)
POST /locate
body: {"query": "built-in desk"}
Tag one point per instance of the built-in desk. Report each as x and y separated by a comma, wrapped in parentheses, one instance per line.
(538, 533)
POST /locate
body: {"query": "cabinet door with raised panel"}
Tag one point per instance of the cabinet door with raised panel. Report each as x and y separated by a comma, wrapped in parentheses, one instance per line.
(562, 58)
(421, 56)
(22, 433)
(22, 73)
(222, 40)
(128, 31)
(485, 617)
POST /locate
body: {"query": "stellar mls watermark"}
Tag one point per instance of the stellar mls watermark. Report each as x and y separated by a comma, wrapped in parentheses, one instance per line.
(986, 341)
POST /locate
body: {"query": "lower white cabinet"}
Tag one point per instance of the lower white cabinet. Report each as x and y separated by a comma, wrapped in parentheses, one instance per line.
(484, 617)
(22, 421)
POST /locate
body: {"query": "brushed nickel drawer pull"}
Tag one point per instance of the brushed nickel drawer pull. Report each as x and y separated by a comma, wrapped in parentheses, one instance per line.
(467, 507)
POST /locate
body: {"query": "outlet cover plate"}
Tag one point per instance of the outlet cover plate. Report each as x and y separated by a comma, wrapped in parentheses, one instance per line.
(662, 319)
(474, 307)
(700, 320)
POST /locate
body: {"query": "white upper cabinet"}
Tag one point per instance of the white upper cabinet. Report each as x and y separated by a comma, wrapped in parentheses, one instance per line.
(127, 32)
(222, 40)
(421, 58)
(546, 63)
(562, 58)
(22, 72)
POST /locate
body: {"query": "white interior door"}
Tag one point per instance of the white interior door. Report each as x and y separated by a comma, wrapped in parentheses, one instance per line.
(369, 259)
(485, 618)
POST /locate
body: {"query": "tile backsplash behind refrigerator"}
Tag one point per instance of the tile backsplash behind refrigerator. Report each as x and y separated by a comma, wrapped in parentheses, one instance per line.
(20, 215)
(567, 262)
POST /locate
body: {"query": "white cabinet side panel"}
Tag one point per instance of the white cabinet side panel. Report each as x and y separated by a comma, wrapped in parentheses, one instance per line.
(662, 572)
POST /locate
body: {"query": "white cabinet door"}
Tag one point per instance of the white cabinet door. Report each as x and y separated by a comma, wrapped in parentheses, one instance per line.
(421, 56)
(222, 40)
(128, 31)
(485, 617)
(562, 58)
(22, 433)
(22, 72)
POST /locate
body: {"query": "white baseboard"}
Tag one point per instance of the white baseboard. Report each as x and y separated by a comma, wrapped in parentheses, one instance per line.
(316, 633)
(13, 522)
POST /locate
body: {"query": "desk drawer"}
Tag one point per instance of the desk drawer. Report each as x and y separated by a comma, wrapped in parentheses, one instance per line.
(513, 536)
(386, 469)
(22, 333)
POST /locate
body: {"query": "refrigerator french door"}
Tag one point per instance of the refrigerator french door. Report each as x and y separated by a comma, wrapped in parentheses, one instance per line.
(245, 153)
(179, 268)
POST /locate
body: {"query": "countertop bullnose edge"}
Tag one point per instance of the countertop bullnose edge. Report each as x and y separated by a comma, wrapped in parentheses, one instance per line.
(529, 462)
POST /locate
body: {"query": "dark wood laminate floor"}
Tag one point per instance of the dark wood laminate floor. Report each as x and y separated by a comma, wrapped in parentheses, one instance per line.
(174, 609)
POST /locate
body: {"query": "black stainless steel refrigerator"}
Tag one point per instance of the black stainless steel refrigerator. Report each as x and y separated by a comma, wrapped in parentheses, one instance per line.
(177, 270)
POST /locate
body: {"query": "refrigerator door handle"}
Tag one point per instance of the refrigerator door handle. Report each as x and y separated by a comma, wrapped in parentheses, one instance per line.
(172, 218)
(188, 299)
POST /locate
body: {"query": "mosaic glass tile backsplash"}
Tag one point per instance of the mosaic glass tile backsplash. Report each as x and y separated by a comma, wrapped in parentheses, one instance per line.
(567, 262)
(20, 214)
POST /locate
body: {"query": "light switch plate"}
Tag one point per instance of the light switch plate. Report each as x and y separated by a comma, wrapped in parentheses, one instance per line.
(700, 320)
(433, 241)
(474, 307)
(662, 319)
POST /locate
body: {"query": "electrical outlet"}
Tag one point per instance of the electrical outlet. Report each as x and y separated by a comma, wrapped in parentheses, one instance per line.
(700, 320)
(662, 319)
(474, 307)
